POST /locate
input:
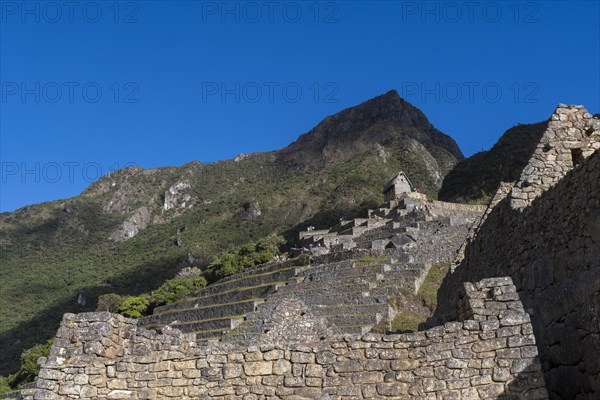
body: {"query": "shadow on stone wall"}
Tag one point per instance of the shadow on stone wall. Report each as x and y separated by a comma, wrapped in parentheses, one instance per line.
(551, 250)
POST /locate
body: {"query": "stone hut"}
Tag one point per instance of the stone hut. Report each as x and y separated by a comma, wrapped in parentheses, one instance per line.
(395, 186)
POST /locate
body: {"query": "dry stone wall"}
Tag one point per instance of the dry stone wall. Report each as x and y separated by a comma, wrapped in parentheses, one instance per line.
(551, 249)
(572, 136)
(490, 354)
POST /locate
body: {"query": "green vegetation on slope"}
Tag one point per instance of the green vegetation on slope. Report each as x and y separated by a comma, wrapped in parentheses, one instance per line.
(476, 179)
(245, 256)
(428, 290)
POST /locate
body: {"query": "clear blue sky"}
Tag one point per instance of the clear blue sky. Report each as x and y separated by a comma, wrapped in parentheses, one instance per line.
(98, 85)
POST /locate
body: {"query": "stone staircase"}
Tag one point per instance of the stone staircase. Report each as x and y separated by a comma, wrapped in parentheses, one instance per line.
(223, 305)
(354, 270)
(352, 295)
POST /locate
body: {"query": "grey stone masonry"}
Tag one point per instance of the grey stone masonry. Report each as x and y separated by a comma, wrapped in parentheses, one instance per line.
(406, 213)
(491, 354)
(572, 136)
(551, 250)
(399, 242)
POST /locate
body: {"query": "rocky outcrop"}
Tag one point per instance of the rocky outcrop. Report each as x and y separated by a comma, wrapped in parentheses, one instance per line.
(137, 222)
(251, 210)
(354, 130)
(176, 198)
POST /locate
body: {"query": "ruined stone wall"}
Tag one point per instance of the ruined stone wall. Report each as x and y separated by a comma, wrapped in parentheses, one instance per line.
(491, 354)
(551, 249)
(572, 135)
(471, 208)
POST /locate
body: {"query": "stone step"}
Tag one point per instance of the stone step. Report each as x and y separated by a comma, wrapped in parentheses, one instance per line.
(233, 295)
(201, 313)
(355, 269)
(347, 309)
(210, 334)
(250, 281)
(336, 279)
(250, 328)
(387, 291)
(401, 274)
(261, 269)
(323, 288)
(354, 231)
(346, 298)
(225, 323)
(353, 319)
(238, 338)
(345, 273)
(371, 271)
(354, 329)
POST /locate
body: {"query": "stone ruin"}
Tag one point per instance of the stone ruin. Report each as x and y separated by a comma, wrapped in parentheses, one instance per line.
(300, 329)
(350, 273)
(490, 352)
(549, 244)
(571, 137)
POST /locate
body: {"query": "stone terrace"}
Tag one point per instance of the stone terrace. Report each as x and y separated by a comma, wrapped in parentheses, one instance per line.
(353, 270)
(490, 355)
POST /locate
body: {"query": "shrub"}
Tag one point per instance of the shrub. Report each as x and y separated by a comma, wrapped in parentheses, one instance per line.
(29, 366)
(245, 256)
(175, 289)
(109, 302)
(134, 306)
(189, 272)
(4, 386)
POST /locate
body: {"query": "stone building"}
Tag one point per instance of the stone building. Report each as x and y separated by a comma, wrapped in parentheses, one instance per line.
(395, 186)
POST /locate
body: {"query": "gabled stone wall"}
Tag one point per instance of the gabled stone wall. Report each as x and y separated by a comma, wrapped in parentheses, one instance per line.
(572, 136)
(488, 355)
(551, 249)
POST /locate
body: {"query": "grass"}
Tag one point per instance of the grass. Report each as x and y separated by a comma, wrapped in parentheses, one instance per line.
(406, 321)
(413, 309)
(428, 290)
(369, 259)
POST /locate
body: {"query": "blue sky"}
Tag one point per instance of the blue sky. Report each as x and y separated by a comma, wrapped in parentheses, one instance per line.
(94, 86)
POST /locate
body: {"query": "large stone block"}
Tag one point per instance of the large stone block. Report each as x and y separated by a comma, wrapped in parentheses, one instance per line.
(258, 368)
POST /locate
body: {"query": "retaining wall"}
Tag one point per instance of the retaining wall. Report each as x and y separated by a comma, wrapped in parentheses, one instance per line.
(491, 354)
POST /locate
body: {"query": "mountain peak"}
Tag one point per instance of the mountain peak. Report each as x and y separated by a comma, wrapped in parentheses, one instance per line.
(388, 107)
(382, 118)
